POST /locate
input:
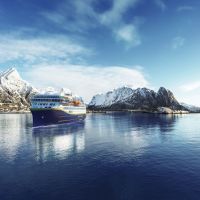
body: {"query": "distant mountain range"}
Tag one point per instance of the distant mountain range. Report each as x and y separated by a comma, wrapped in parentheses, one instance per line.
(15, 94)
(191, 108)
(141, 99)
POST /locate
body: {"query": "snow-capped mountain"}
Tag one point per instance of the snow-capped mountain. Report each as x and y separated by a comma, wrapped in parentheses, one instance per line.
(138, 99)
(14, 90)
(191, 108)
(111, 97)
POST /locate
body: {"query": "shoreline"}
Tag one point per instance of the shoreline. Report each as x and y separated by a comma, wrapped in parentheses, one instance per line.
(140, 111)
(15, 112)
(112, 111)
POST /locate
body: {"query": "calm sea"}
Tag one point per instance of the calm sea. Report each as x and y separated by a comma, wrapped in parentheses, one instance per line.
(109, 156)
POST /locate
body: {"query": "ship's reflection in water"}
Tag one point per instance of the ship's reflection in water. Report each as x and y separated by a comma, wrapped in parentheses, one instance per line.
(135, 133)
(58, 141)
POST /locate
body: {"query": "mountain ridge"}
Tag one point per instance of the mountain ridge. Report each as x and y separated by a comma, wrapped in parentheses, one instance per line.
(144, 99)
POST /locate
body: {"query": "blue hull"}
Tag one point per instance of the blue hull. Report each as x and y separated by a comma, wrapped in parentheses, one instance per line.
(43, 117)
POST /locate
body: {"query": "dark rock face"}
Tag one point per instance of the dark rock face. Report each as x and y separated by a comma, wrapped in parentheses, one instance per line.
(165, 98)
(142, 99)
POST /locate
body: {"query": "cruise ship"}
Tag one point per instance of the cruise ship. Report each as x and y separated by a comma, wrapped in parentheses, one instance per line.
(56, 108)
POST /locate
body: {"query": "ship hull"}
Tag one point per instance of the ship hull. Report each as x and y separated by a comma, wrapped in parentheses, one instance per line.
(42, 117)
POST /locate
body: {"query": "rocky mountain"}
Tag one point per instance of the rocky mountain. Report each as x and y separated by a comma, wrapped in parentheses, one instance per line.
(15, 93)
(111, 97)
(143, 99)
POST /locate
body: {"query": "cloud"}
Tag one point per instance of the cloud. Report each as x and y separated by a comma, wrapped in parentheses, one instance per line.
(77, 21)
(185, 8)
(114, 15)
(189, 93)
(84, 80)
(191, 86)
(129, 34)
(84, 17)
(161, 4)
(178, 42)
(39, 49)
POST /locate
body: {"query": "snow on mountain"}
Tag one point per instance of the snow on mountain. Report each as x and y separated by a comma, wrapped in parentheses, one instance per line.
(62, 91)
(118, 95)
(11, 81)
(111, 97)
(14, 90)
(191, 108)
(143, 92)
(48, 90)
(139, 99)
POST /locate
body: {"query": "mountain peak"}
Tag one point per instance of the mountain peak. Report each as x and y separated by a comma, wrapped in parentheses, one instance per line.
(14, 90)
(111, 96)
(162, 89)
(10, 80)
(11, 73)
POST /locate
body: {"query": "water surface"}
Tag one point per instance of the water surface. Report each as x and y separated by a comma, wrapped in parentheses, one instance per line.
(109, 156)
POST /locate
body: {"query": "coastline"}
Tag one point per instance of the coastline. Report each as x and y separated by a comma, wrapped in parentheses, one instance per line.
(110, 111)
(15, 112)
(140, 111)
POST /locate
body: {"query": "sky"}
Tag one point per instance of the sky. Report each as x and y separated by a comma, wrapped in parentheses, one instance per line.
(93, 46)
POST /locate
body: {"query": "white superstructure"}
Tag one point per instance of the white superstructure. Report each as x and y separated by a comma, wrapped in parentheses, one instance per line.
(63, 100)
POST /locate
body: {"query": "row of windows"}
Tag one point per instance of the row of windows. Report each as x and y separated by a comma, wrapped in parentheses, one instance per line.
(43, 96)
(77, 108)
(44, 104)
(49, 100)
